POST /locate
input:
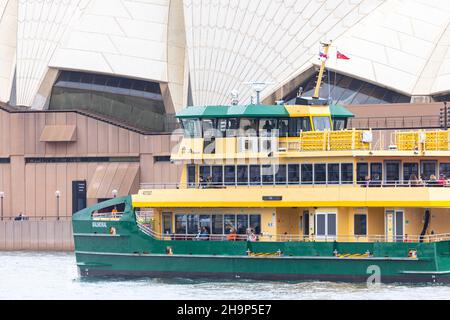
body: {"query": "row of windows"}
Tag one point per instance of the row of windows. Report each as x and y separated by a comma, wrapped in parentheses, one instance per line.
(81, 159)
(346, 90)
(293, 174)
(233, 127)
(190, 224)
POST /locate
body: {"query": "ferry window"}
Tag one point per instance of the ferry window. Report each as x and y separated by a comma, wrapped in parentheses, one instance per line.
(294, 173)
(339, 124)
(249, 127)
(242, 224)
(297, 125)
(267, 174)
(192, 128)
(180, 224)
(392, 172)
(205, 175)
(360, 224)
(333, 173)
(228, 127)
(217, 175)
(410, 172)
(205, 221)
(229, 222)
(283, 127)
(267, 127)
(307, 173)
(321, 123)
(167, 223)
(217, 224)
(255, 223)
(362, 171)
(347, 173)
(376, 172)
(191, 175)
(255, 175)
(320, 173)
(331, 225)
(230, 175)
(280, 174)
(428, 168)
(208, 126)
(444, 169)
(192, 224)
(242, 175)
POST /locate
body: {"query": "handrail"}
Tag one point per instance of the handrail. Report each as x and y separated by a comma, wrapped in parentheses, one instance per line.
(107, 215)
(297, 238)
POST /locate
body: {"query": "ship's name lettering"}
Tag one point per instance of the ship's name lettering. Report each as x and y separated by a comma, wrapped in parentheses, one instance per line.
(99, 225)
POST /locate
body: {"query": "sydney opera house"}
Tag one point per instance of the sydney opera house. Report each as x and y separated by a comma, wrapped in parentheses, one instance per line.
(89, 88)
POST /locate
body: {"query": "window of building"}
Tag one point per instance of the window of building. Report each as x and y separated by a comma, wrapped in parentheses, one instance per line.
(362, 172)
(333, 173)
(161, 159)
(217, 175)
(242, 175)
(347, 173)
(322, 123)
(320, 173)
(267, 174)
(191, 175)
(255, 175)
(280, 174)
(294, 173)
(376, 172)
(307, 173)
(230, 175)
(249, 127)
(410, 172)
(360, 223)
(298, 125)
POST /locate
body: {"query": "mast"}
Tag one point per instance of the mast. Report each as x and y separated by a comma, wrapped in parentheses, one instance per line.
(326, 47)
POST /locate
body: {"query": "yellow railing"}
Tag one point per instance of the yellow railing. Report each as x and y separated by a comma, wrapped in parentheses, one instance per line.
(422, 140)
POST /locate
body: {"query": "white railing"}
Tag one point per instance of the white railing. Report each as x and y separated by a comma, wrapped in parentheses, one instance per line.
(107, 215)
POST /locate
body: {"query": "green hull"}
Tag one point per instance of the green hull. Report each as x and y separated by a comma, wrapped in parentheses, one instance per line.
(130, 252)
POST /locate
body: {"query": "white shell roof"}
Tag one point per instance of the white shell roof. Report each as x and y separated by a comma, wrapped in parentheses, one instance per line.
(399, 44)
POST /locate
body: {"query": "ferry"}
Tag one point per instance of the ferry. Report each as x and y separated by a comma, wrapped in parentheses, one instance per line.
(282, 192)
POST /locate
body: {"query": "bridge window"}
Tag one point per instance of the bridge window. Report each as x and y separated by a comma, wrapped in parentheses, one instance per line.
(249, 127)
(267, 127)
(228, 127)
(322, 123)
(297, 125)
(283, 127)
(192, 128)
(208, 126)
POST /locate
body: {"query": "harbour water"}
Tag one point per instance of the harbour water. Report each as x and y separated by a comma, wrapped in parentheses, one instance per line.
(31, 275)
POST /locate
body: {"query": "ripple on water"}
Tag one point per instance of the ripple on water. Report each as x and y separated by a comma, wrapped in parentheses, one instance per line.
(31, 275)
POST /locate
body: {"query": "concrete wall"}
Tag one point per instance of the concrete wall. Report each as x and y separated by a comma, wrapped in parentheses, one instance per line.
(36, 235)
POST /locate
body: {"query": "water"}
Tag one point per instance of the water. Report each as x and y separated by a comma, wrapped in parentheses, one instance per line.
(25, 275)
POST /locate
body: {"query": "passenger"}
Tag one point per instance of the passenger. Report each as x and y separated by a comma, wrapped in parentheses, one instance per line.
(442, 180)
(232, 236)
(267, 127)
(114, 212)
(251, 236)
(204, 235)
(376, 182)
(413, 181)
(433, 181)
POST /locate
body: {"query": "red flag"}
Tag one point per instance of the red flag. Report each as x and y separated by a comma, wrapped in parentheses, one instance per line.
(342, 56)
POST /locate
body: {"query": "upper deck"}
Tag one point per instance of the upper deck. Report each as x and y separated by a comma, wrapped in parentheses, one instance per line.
(261, 132)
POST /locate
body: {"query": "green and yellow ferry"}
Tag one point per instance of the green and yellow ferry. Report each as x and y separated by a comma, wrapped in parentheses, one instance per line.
(282, 192)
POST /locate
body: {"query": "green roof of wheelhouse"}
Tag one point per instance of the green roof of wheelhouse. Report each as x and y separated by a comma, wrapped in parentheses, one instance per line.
(250, 111)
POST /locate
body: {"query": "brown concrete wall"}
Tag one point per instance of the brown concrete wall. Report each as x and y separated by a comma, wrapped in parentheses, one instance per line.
(36, 235)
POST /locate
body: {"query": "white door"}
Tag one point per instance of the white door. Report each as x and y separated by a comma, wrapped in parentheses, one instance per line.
(395, 225)
(326, 226)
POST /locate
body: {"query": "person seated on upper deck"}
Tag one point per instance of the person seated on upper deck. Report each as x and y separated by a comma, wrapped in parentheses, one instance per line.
(375, 182)
(204, 234)
(442, 180)
(413, 181)
(232, 236)
(432, 182)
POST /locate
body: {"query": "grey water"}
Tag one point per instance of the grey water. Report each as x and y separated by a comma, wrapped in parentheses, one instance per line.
(48, 276)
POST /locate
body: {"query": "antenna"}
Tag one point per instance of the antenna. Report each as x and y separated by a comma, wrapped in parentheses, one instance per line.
(258, 87)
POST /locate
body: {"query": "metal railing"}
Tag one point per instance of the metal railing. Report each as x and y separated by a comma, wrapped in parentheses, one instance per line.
(107, 216)
(261, 185)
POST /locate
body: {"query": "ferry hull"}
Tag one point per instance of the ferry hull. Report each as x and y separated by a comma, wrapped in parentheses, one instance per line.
(251, 268)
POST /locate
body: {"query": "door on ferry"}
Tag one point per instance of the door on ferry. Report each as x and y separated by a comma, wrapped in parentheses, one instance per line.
(305, 224)
(395, 225)
(167, 220)
(326, 226)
